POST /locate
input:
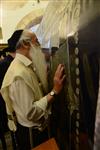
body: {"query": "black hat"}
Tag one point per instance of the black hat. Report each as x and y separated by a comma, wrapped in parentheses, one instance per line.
(12, 41)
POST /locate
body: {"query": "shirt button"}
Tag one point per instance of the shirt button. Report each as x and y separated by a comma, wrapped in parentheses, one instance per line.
(76, 51)
(77, 61)
(77, 81)
(77, 71)
(77, 91)
(77, 131)
(77, 124)
(34, 69)
(40, 84)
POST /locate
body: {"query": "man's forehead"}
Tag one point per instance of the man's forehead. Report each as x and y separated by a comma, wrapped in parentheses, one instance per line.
(29, 33)
(32, 34)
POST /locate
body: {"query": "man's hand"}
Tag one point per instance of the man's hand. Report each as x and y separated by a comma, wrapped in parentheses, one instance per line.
(59, 78)
(11, 125)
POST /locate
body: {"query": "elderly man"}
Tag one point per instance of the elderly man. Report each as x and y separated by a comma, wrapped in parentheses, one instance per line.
(25, 91)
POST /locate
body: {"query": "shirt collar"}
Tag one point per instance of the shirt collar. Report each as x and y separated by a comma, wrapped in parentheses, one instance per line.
(23, 59)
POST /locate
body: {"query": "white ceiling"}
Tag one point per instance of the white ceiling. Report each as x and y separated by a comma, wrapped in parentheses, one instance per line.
(19, 13)
(16, 4)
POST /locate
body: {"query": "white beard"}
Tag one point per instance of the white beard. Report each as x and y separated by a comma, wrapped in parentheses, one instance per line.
(39, 63)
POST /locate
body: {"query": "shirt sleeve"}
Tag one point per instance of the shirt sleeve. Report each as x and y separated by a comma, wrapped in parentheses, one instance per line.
(23, 100)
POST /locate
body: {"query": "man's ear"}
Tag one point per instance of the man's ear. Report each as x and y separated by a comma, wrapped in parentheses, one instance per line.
(26, 44)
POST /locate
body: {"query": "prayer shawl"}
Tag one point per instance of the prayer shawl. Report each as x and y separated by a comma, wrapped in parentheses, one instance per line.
(18, 69)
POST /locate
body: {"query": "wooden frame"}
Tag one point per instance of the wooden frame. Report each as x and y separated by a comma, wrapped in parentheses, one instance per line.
(2, 46)
(48, 145)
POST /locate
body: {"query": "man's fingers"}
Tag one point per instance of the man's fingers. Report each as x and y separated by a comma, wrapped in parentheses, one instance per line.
(60, 69)
(63, 78)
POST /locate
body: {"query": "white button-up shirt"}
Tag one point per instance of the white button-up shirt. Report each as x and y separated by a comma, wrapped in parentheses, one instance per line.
(23, 101)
